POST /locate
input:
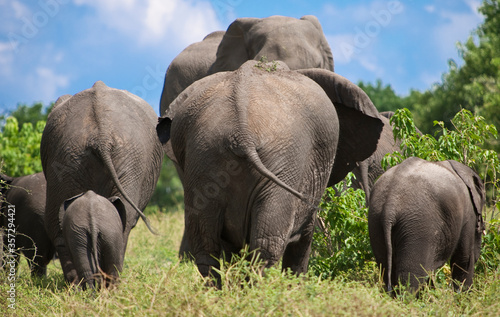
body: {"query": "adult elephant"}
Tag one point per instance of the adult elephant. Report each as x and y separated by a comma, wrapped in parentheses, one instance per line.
(26, 195)
(101, 139)
(300, 43)
(190, 65)
(255, 149)
(422, 214)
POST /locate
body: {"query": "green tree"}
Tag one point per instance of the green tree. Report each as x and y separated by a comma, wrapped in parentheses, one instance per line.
(474, 86)
(169, 192)
(383, 97)
(20, 148)
(32, 114)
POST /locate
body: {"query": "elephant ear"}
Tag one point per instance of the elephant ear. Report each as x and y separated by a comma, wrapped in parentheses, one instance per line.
(65, 205)
(359, 120)
(327, 51)
(232, 51)
(120, 207)
(476, 189)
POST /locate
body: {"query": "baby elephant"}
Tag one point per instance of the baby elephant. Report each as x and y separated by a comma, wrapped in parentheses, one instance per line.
(422, 214)
(93, 229)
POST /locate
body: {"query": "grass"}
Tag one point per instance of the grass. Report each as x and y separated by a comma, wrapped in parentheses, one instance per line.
(155, 283)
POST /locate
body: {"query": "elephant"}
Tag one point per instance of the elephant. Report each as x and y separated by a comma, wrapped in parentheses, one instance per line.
(255, 149)
(423, 213)
(300, 43)
(190, 65)
(93, 229)
(26, 195)
(100, 139)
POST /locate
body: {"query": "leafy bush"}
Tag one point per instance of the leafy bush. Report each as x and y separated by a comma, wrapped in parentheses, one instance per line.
(169, 193)
(342, 243)
(20, 148)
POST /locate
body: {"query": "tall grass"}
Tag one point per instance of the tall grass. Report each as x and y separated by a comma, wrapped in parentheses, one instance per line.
(155, 283)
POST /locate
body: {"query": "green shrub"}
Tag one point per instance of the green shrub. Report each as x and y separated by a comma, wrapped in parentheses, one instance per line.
(342, 243)
(20, 148)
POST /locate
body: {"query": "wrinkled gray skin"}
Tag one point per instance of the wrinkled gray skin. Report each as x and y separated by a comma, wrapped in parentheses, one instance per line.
(300, 43)
(254, 150)
(93, 229)
(27, 194)
(101, 139)
(422, 214)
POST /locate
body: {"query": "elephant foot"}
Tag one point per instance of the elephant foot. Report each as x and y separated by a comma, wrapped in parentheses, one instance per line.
(213, 279)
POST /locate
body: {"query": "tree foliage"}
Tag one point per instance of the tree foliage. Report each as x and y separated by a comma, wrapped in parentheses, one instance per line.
(474, 86)
(20, 148)
(342, 243)
(169, 192)
(383, 96)
(30, 114)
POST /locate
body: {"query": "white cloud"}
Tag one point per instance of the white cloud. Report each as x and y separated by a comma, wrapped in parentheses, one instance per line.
(46, 84)
(457, 27)
(6, 59)
(430, 8)
(154, 22)
(20, 10)
(362, 28)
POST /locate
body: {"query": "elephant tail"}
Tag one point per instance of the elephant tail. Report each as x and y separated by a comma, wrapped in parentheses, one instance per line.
(253, 157)
(95, 268)
(388, 244)
(109, 164)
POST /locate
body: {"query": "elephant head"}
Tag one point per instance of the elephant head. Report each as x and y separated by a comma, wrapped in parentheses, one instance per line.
(93, 228)
(300, 43)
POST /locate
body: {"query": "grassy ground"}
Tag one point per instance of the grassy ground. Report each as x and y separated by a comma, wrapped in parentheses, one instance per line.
(155, 283)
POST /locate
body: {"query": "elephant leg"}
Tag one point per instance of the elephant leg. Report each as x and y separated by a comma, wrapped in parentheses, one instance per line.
(54, 230)
(35, 262)
(69, 270)
(184, 250)
(86, 266)
(411, 264)
(296, 256)
(271, 224)
(202, 230)
(462, 266)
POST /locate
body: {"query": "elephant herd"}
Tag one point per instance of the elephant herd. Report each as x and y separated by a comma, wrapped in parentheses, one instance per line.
(257, 125)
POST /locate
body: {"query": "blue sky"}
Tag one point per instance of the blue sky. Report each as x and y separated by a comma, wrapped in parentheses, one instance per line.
(53, 47)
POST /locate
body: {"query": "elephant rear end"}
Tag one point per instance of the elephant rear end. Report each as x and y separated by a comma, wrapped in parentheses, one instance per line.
(93, 229)
(420, 215)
